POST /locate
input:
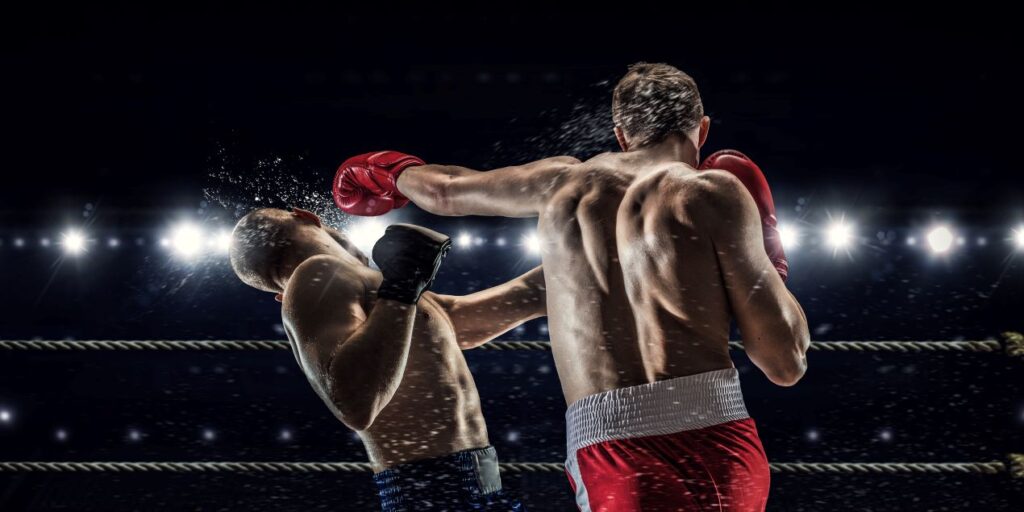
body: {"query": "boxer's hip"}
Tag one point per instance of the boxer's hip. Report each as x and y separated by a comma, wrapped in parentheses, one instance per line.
(680, 444)
(465, 480)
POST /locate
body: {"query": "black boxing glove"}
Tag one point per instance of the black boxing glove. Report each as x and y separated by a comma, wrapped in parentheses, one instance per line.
(409, 257)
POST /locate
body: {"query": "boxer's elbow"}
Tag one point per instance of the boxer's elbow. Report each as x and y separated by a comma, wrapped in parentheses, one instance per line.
(783, 362)
(787, 374)
(357, 418)
(354, 410)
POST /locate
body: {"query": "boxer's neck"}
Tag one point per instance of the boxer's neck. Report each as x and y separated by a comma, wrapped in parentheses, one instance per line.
(675, 148)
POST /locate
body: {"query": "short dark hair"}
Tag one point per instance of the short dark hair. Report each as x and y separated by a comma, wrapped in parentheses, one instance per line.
(655, 100)
(259, 246)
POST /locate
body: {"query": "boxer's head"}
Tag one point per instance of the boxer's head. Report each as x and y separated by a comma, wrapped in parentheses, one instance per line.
(269, 243)
(655, 102)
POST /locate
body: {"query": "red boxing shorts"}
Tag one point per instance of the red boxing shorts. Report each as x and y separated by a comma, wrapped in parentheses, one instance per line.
(675, 445)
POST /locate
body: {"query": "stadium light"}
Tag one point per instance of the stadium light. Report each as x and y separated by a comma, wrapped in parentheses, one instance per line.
(789, 236)
(73, 242)
(186, 240)
(839, 235)
(531, 243)
(365, 232)
(1018, 238)
(222, 241)
(464, 240)
(940, 239)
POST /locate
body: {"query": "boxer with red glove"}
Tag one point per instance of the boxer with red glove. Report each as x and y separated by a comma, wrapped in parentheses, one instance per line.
(655, 418)
(366, 184)
(741, 166)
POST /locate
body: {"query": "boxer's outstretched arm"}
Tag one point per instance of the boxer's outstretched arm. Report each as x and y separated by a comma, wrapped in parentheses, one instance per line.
(517, 191)
(354, 360)
(482, 316)
(772, 324)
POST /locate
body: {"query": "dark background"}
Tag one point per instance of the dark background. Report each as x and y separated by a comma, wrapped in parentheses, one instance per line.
(123, 122)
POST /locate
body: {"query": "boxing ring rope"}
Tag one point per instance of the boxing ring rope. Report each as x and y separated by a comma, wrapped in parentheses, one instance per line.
(1010, 343)
(1013, 466)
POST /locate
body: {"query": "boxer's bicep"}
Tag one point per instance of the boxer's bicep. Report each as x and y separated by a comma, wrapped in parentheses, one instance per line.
(482, 316)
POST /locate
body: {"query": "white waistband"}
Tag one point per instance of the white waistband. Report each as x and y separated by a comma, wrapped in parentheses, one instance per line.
(663, 407)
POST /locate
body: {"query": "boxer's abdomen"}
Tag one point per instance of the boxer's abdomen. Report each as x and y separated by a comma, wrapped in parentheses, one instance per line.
(436, 409)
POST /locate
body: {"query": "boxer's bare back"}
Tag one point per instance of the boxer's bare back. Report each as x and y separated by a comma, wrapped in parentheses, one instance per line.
(646, 260)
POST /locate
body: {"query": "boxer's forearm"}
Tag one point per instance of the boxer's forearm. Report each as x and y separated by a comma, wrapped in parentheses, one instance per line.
(442, 190)
(777, 343)
(516, 191)
(367, 368)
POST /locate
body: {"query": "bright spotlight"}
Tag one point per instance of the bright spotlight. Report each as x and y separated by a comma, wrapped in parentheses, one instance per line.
(789, 236)
(1018, 237)
(940, 239)
(113, 243)
(500, 242)
(464, 240)
(839, 235)
(365, 232)
(222, 242)
(531, 243)
(73, 242)
(186, 240)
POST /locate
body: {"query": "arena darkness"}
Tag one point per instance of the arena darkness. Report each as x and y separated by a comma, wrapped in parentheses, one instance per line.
(131, 142)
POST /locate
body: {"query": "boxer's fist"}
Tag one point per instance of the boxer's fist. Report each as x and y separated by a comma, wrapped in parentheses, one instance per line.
(409, 257)
(366, 184)
(753, 179)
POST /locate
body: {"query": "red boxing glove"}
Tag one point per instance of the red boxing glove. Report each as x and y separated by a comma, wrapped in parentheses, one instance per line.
(366, 184)
(753, 179)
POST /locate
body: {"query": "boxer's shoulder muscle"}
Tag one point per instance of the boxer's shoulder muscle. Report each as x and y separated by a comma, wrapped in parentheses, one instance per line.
(320, 289)
(689, 195)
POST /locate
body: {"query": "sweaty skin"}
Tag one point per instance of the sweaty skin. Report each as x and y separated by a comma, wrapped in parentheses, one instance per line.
(646, 263)
(394, 372)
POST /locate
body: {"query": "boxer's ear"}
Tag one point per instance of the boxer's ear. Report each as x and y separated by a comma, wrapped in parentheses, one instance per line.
(307, 216)
(702, 135)
(621, 137)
